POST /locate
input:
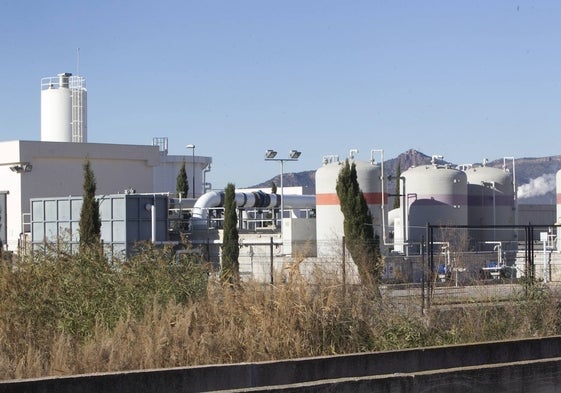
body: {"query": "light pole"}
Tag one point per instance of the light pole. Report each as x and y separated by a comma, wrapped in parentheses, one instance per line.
(293, 155)
(492, 186)
(193, 166)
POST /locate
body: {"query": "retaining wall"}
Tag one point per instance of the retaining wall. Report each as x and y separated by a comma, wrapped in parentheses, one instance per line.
(491, 365)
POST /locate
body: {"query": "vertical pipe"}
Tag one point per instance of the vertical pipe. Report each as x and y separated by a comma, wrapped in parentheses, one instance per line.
(423, 268)
(431, 265)
(153, 221)
(494, 212)
(405, 222)
(532, 264)
(271, 259)
(282, 203)
(382, 205)
(526, 252)
(544, 240)
(193, 162)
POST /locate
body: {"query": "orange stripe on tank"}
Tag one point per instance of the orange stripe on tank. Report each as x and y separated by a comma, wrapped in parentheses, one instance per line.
(372, 198)
(327, 199)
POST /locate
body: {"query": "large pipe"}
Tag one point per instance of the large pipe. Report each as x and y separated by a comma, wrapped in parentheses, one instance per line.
(257, 199)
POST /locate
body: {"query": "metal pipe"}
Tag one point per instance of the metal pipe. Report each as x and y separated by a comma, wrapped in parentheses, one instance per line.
(515, 190)
(382, 181)
(153, 222)
(192, 147)
(250, 199)
(282, 199)
(206, 186)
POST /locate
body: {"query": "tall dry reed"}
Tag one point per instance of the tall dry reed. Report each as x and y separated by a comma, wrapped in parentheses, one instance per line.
(81, 315)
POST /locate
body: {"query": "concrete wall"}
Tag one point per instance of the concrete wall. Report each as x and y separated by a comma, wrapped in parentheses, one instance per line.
(521, 365)
(535, 377)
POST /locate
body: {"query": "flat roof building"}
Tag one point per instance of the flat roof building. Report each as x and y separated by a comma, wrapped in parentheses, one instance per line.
(38, 169)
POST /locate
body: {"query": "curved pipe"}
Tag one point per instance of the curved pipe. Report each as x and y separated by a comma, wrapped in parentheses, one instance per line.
(207, 200)
(250, 199)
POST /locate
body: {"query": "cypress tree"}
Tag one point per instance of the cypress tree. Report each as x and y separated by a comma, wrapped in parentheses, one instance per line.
(275, 210)
(359, 231)
(182, 184)
(230, 242)
(90, 221)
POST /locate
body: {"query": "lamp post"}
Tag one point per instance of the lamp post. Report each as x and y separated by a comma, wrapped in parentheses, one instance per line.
(492, 186)
(293, 155)
(193, 165)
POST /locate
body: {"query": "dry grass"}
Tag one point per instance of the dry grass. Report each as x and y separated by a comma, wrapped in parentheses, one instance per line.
(78, 315)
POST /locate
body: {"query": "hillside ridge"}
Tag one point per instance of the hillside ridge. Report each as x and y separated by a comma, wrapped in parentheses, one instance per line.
(535, 176)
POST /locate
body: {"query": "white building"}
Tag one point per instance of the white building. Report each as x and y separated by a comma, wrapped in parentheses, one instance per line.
(36, 169)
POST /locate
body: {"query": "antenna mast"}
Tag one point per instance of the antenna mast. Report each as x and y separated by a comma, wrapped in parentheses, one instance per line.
(77, 61)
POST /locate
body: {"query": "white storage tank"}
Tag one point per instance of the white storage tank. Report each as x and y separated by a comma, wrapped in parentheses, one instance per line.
(491, 201)
(329, 218)
(436, 194)
(64, 109)
(56, 109)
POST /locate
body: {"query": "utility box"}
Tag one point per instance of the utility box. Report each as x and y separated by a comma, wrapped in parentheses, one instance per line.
(299, 237)
(126, 219)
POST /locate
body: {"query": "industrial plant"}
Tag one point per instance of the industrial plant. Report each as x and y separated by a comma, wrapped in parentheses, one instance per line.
(466, 218)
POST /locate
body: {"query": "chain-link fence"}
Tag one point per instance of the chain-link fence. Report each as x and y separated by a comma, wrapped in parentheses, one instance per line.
(487, 262)
(448, 264)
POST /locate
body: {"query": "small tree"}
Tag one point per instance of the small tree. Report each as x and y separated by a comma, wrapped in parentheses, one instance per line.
(230, 242)
(90, 222)
(359, 231)
(182, 184)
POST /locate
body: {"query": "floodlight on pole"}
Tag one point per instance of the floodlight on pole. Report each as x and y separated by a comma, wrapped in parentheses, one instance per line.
(294, 154)
(270, 155)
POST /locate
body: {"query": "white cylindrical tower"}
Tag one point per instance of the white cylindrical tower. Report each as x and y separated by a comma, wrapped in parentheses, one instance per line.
(329, 218)
(64, 109)
(56, 109)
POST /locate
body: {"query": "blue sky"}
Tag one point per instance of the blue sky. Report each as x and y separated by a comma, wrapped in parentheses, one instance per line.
(465, 79)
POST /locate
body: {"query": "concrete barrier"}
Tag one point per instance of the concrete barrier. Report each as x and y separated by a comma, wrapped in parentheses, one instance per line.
(316, 371)
(522, 377)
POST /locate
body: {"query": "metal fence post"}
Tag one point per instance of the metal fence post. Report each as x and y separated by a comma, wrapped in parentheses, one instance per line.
(271, 256)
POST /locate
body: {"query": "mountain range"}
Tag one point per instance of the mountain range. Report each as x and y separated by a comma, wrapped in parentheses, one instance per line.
(535, 177)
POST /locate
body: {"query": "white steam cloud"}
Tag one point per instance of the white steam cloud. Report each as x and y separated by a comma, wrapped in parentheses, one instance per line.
(538, 186)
